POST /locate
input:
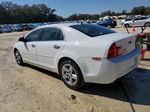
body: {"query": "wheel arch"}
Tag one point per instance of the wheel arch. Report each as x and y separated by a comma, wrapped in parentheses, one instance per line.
(73, 60)
(66, 58)
(80, 68)
(15, 49)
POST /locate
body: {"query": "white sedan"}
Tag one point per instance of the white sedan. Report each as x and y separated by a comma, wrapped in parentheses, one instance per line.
(79, 52)
(139, 21)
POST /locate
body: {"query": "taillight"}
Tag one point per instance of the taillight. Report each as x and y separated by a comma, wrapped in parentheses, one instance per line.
(114, 51)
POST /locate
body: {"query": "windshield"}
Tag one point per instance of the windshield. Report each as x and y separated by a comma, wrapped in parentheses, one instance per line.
(92, 30)
(128, 19)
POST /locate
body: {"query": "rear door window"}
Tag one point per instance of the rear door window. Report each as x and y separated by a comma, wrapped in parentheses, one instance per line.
(136, 19)
(143, 18)
(59, 35)
(49, 34)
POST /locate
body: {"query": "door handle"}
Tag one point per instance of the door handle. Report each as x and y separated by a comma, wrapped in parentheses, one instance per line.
(56, 46)
(32, 45)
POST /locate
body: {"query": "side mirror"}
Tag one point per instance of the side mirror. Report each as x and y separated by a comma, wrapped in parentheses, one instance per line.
(22, 39)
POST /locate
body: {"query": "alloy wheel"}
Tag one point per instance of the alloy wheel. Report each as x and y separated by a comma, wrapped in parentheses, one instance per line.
(18, 57)
(69, 74)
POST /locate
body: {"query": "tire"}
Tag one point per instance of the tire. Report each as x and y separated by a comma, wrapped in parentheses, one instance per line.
(71, 75)
(126, 25)
(148, 47)
(147, 24)
(18, 58)
(113, 26)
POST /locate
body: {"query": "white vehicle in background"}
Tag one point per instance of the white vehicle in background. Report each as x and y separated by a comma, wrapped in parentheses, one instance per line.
(125, 20)
(139, 21)
(79, 52)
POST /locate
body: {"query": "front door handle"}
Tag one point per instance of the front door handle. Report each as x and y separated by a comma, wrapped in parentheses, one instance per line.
(32, 45)
(56, 46)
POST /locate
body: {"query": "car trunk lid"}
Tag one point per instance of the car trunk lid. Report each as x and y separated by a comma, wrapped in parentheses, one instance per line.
(125, 41)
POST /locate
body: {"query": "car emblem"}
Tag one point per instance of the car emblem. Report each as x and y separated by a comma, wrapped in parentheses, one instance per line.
(130, 42)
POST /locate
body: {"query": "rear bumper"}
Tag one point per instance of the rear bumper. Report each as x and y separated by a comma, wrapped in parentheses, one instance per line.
(107, 71)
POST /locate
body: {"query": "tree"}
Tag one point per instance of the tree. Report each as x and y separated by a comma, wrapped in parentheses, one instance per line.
(13, 13)
(73, 17)
(4, 15)
(106, 13)
(147, 11)
(139, 10)
(124, 12)
(83, 17)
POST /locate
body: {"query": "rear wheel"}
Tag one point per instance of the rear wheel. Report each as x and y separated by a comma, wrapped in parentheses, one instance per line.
(147, 24)
(18, 58)
(71, 74)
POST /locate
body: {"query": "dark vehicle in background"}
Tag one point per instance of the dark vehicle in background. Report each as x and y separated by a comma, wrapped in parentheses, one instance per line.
(108, 23)
(17, 28)
(125, 20)
(37, 24)
(27, 27)
(0, 29)
(30, 27)
(6, 29)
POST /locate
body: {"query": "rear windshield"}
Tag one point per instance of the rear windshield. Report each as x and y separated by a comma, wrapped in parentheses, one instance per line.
(92, 30)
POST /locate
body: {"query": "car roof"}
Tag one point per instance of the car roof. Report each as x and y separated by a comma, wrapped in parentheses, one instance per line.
(58, 25)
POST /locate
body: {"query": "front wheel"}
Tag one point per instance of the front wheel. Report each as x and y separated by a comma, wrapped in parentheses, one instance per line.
(18, 58)
(71, 74)
(147, 24)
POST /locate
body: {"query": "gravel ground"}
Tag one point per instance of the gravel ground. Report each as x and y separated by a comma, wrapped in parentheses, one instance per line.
(31, 89)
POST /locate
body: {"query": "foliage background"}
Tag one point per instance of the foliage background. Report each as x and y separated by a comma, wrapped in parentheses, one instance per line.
(12, 13)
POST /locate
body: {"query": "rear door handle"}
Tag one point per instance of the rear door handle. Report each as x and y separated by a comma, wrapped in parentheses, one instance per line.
(32, 45)
(56, 46)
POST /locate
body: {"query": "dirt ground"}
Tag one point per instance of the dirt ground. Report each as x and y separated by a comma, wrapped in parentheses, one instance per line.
(31, 89)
